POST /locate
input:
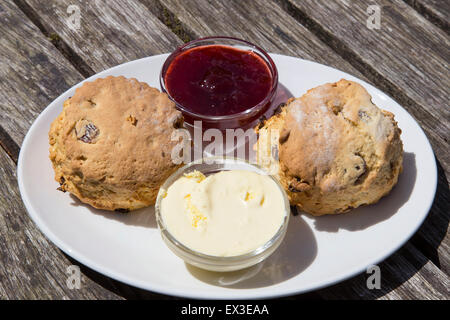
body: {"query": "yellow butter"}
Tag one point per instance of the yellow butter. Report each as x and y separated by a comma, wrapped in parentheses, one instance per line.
(225, 214)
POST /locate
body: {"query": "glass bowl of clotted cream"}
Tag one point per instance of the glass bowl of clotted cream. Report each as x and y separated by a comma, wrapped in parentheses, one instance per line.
(222, 214)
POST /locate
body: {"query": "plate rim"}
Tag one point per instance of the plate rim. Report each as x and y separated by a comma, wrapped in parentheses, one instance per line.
(174, 291)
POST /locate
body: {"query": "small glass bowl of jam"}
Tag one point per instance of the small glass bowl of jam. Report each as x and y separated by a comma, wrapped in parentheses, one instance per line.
(224, 82)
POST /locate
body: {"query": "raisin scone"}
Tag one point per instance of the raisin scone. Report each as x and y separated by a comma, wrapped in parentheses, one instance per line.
(332, 149)
(111, 145)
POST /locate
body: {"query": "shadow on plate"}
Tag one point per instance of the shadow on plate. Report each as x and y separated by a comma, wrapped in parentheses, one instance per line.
(364, 217)
(144, 217)
(295, 254)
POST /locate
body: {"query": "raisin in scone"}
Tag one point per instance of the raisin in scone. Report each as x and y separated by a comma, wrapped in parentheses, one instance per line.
(111, 145)
(332, 149)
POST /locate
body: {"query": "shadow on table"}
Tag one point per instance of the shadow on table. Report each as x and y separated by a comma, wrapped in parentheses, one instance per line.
(437, 220)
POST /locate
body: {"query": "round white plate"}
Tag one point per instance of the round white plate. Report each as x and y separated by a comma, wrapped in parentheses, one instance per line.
(315, 253)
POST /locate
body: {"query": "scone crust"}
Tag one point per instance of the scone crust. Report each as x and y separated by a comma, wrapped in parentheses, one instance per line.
(337, 150)
(111, 145)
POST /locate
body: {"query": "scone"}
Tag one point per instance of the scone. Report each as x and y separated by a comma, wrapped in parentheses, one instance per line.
(111, 145)
(332, 149)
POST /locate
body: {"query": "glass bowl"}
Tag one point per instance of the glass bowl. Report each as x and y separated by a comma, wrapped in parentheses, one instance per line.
(220, 263)
(246, 118)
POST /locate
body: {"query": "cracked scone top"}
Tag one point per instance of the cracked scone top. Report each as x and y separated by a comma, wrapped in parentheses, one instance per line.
(111, 145)
(336, 149)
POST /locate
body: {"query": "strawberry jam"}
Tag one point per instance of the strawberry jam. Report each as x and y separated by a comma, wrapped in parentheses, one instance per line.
(218, 80)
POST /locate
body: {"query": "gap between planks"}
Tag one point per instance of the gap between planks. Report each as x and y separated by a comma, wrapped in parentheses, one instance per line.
(349, 55)
(387, 86)
(11, 148)
(172, 22)
(169, 19)
(336, 45)
(6, 141)
(429, 15)
(56, 40)
(181, 31)
(164, 15)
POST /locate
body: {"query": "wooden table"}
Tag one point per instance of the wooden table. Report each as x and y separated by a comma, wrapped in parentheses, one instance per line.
(43, 52)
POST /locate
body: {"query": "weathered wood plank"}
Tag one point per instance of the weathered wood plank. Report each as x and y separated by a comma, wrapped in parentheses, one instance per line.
(266, 24)
(408, 53)
(109, 33)
(407, 274)
(30, 266)
(32, 72)
(108, 60)
(257, 21)
(424, 80)
(206, 18)
(436, 11)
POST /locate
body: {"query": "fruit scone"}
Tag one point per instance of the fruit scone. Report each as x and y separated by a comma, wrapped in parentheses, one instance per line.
(332, 149)
(111, 145)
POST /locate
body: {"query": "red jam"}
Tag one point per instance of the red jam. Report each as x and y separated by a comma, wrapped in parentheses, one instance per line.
(218, 80)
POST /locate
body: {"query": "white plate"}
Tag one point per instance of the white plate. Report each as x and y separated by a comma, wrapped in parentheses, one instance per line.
(315, 253)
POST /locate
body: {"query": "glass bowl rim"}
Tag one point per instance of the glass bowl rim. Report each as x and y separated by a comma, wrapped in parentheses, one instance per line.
(211, 258)
(197, 116)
